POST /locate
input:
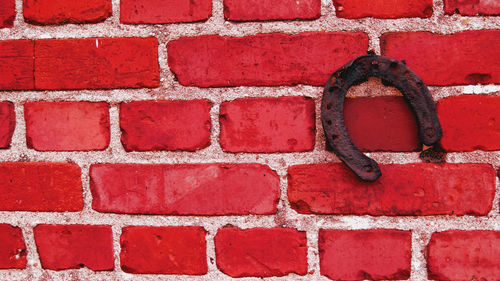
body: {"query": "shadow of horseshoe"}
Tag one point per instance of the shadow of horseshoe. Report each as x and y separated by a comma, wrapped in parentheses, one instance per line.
(391, 72)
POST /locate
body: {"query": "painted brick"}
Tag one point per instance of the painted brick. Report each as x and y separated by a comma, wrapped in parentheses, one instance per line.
(7, 123)
(381, 124)
(284, 124)
(164, 250)
(66, 11)
(374, 254)
(40, 186)
(165, 125)
(456, 59)
(75, 246)
(12, 248)
(258, 10)
(261, 252)
(470, 122)
(409, 189)
(7, 13)
(464, 255)
(96, 63)
(161, 11)
(59, 126)
(262, 60)
(16, 65)
(386, 9)
(186, 189)
(472, 7)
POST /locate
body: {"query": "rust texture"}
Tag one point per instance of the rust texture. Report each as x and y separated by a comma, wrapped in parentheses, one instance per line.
(392, 72)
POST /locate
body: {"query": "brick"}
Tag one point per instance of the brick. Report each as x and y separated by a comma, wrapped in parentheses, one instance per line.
(374, 254)
(96, 63)
(409, 189)
(386, 9)
(12, 248)
(7, 123)
(60, 126)
(165, 125)
(66, 11)
(75, 246)
(16, 65)
(284, 124)
(40, 186)
(7, 13)
(258, 10)
(444, 60)
(470, 122)
(271, 59)
(261, 252)
(464, 255)
(472, 7)
(161, 11)
(381, 124)
(185, 189)
(164, 250)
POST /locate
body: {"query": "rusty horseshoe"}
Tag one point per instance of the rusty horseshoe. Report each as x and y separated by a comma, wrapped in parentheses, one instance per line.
(392, 72)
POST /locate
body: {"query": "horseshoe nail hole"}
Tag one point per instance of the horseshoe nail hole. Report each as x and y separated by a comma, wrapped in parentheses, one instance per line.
(430, 132)
(393, 64)
(329, 106)
(331, 89)
(368, 168)
(329, 122)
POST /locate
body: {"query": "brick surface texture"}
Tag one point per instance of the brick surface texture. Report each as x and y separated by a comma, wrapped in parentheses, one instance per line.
(65, 11)
(258, 10)
(67, 125)
(284, 124)
(386, 9)
(75, 246)
(261, 252)
(380, 254)
(7, 13)
(183, 140)
(166, 250)
(165, 125)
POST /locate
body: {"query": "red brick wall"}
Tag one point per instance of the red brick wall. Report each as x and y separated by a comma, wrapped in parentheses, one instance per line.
(181, 140)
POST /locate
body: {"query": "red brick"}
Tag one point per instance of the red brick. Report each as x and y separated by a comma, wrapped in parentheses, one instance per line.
(40, 186)
(472, 7)
(12, 248)
(165, 125)
(96, 63)
(443, 60)
(261, 252)
(381, 124)
(75, 246)
(164, 250)
(386, 9)
(16, 65)
(470, 122)
(263, 60)
(161, 11)
(410, 189)
(262, 10)
(284, 124)
(464, 255)
(185, 189)
(7, 123)
(374, 254)
(59, 126)
(7, 13)
(65, 11)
